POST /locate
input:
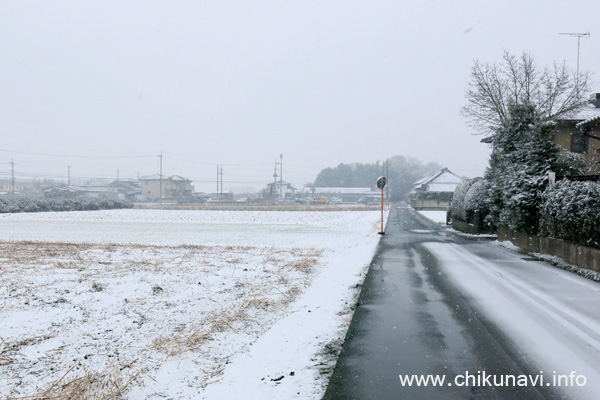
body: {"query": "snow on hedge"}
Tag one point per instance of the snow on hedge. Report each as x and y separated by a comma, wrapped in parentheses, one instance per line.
(571, 211)
(18, 205)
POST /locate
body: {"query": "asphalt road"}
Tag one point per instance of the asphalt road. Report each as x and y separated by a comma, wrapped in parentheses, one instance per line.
(410, 319)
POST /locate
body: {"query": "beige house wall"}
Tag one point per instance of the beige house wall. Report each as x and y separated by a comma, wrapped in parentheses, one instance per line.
(177, 188)
(170, 188)
(562, 139)
(151, 188)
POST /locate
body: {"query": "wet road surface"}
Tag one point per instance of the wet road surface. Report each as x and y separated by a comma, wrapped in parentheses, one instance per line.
(411, 320)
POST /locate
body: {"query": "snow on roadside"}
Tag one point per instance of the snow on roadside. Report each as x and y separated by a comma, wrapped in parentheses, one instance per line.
(560, 263)
(556, 261)
(295, 358)
(258, 296)
(550, 314)
(438, 217)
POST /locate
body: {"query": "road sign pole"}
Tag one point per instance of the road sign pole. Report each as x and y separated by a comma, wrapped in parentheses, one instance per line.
(381, 184)
(382, 232)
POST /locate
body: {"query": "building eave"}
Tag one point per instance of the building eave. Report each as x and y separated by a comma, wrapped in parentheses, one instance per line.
(588, 122)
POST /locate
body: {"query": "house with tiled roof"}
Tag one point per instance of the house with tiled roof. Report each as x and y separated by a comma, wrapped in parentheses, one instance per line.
(580, 132)
(127, 189)
(435, 192)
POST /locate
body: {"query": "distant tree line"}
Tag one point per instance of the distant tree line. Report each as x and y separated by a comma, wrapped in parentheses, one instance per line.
(402, 172)
(19, 205)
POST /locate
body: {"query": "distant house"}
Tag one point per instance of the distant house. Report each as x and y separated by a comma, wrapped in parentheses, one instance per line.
(63, 192)
(435, 192)
(21, 189)
(129, 189)
(580, 132)
(281, 189)
(97, 192)
(71, 191)
(174, 187)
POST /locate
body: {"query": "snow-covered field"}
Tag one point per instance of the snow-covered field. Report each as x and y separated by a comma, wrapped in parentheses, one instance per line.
(177, 304)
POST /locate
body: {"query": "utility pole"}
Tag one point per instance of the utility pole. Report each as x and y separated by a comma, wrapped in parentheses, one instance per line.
(217, 179)
(275, 179)
(578, 36)
(387, 174)
(221, 182)
(69, 175)
(281, 175)
(12, 164)
(161, 179)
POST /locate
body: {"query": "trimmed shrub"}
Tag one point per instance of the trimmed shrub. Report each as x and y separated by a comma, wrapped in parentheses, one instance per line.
(458, 200)
(471, 204)
(571, 211)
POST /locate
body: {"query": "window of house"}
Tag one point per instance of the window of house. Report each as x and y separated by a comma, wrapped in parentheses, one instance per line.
(579, 143)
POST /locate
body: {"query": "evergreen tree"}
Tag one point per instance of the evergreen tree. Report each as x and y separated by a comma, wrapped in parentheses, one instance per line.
(522, 155)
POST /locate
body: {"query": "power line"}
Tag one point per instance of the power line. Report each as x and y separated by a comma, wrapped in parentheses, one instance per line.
(208, 163)
(71, 156)
(303, 166)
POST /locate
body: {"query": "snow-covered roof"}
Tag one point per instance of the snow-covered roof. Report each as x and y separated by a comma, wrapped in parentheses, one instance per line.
(98, 189)
(443, 181)
(156, 177)
(125, 183)
(125, 180)
(284, 183)
(178, 178)
(442, 187)
(421, 181)
(590, 121)
(585, 112)
(150, 177)
(63, 188)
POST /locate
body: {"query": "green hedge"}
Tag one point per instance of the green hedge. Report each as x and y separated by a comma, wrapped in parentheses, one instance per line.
(571, 211)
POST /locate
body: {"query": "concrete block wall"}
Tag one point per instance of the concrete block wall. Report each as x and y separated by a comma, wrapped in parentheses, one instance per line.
(581, 256)
(464, 226)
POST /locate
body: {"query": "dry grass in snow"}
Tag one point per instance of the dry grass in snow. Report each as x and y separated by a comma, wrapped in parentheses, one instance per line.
(91, 321)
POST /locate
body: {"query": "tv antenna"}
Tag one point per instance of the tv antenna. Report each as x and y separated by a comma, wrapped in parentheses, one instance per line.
(578, 36)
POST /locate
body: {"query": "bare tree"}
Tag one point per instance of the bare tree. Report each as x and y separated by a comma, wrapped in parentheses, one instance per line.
(554, 92)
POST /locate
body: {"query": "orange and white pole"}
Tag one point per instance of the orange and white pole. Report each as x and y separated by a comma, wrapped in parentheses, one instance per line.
(381, 184)
(382, 211)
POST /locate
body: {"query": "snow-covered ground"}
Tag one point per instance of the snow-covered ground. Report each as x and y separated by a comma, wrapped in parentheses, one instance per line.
(178, 304)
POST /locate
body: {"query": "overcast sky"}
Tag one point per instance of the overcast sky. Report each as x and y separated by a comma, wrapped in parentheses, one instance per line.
(238, 83)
